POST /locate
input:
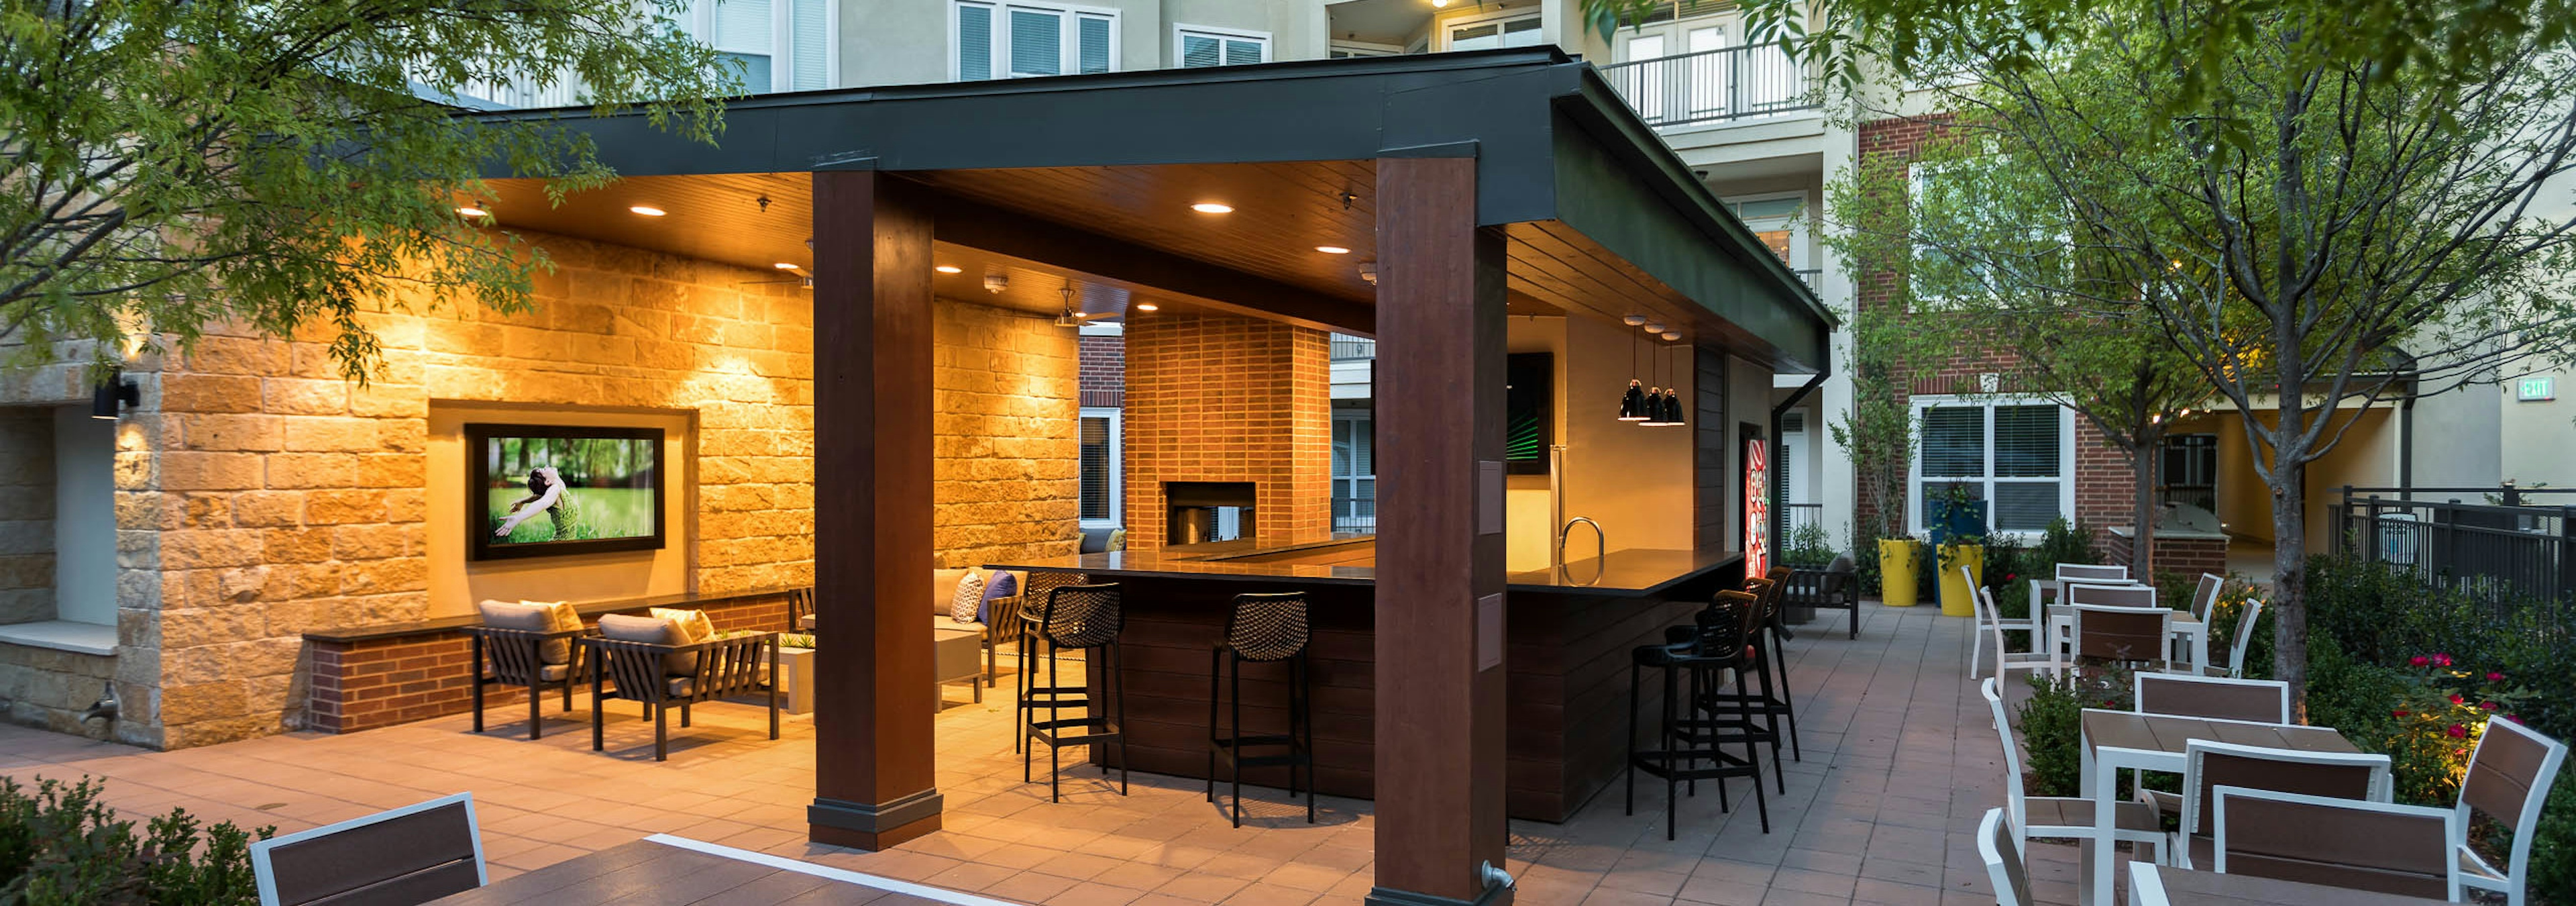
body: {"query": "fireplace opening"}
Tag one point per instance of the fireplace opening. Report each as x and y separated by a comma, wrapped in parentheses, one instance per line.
(1205, 512)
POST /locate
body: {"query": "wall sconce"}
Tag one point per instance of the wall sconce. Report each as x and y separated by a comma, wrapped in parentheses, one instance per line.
(104, 398)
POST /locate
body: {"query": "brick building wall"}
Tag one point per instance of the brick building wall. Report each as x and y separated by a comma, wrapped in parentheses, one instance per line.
(1006, 480)
(2104, 480)
(1104, 370)
(1229, 399)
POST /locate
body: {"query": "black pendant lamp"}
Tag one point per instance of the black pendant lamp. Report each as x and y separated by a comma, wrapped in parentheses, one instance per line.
(1655, 395)
(1633, 405)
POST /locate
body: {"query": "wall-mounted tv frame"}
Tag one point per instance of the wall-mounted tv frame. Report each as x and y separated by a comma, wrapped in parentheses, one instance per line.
(554, 490)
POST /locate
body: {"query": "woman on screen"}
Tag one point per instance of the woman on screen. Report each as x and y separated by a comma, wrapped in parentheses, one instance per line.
(546, 494)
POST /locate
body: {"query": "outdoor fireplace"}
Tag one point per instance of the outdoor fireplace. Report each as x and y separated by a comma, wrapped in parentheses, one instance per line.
(1201, 512)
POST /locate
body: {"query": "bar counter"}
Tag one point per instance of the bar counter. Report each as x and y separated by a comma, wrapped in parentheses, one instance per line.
(1568, 633)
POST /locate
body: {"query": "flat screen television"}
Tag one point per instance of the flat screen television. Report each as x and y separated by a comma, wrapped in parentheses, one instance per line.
(1530, 378)
(543, 490)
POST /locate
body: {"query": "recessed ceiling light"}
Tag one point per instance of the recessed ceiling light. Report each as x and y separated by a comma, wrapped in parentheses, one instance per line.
(647, 210)
(784, 266)
(1332, 250)
(472, 211)
(949, 269)
(1148, 306)
(1210, 207)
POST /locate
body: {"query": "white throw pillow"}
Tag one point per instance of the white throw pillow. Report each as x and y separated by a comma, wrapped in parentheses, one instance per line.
(968, 599)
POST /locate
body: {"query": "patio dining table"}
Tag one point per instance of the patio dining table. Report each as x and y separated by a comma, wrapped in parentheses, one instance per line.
(2165, 885)
(2188, 628)
(663, 870)
(2114, 741)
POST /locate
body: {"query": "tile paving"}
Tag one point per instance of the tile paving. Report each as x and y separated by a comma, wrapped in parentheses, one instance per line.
(1900, 759)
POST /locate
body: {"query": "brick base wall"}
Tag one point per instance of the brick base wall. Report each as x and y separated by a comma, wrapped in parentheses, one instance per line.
(2188, 557)
(382, 682)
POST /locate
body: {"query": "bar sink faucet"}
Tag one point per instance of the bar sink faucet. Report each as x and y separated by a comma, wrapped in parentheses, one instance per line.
(1600, 539)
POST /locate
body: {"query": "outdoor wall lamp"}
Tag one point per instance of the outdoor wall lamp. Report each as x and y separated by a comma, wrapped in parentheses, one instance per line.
(104, 398)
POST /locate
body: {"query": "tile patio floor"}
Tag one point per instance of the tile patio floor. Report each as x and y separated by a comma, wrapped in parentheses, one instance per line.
(1900, 761)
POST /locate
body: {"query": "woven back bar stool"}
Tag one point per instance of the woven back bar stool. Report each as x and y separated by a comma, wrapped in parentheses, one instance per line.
(1086, 618)
(1688, 743)
(1262, 628)
(1761, 698)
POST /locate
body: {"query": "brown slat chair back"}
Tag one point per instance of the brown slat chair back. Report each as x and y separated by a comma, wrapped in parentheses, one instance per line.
(2505, 772)
(2110, 595)
(2078, 572)
(2205, 597)
(405, 856)
(515, 655)
(2348, 843)
(800, 607)
(2121, 633)
(2267, 701)
(2209, 765)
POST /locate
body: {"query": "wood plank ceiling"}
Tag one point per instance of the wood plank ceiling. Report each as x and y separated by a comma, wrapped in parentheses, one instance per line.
(1281, 213)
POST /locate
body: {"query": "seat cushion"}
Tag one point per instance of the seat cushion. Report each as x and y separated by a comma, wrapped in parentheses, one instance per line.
(654, 631)
(536, 616)
(945, 625)
(2056, 811)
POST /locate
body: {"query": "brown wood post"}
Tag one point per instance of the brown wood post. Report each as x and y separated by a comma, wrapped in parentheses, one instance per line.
(875, 783)
(1439, 752)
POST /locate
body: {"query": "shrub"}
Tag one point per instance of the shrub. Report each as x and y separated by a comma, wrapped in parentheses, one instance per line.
(61, 846)
(2052, 726)
(1809, 547)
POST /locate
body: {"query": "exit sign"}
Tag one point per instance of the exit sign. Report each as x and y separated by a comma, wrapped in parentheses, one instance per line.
(2534, 389)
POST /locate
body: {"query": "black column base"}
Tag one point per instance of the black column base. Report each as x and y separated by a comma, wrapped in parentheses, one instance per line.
(1386, 896)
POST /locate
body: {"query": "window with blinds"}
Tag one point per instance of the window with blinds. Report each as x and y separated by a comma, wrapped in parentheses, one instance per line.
(1019, 40)
(778, 45)
(1100, 478)
(2016, 457)
(1196, 47)
(1354, 470)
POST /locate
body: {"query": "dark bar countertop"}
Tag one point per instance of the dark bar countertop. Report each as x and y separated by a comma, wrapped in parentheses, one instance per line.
(1630, 572)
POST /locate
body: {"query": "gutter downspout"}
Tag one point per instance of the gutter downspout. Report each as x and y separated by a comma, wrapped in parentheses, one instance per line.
(2406, 451)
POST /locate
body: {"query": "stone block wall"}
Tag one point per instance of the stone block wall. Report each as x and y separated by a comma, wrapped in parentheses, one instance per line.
(1008, 469)
(26, 514)
(260, 495)
(1229, 399)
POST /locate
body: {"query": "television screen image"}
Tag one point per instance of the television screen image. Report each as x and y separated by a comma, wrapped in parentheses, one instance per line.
(544, 491)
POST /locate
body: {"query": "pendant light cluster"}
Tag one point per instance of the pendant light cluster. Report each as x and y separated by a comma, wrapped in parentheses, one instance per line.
(1653, 407)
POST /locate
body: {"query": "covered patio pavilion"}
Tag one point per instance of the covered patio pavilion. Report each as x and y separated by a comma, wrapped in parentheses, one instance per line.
(1477, 186)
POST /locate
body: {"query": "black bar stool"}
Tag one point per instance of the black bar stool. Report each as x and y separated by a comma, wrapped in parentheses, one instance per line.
(1689, 746)
(1263, 628)
(1087, 618)
(1772, 703)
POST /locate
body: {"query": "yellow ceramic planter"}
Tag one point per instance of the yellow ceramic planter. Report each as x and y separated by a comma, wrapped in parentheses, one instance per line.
(1896, 571)
(1956, 592)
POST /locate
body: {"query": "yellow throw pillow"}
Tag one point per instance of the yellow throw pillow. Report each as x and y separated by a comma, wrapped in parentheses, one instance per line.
(693, 623)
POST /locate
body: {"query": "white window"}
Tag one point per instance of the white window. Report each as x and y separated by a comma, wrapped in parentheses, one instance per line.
(1102, 483)
(2016, 455)
(1015, 40)
(1354, 470)
(782, 45)
(1513, 29)
(1195, 46)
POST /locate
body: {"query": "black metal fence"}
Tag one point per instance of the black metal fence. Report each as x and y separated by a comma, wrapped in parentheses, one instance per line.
(2499, 544)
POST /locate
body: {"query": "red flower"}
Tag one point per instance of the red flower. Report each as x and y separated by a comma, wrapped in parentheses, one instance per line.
(2495, 677)
(2456, 699)
(2490, 706)
(2458, 732)
(2401, 712)
(2442, 659)
(2418, 661)
(2516, 718)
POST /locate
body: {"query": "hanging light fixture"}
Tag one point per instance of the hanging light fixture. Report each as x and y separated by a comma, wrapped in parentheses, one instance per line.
(1070, 317)
(1658, 400)
(1633, 405)
(1673, 397)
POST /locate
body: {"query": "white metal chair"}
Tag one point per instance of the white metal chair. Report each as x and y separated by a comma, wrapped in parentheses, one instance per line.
(2374, 846)
(1991, 620)
(1991, 624)
(2002, 855)
(2185, 695)
(2236, 648)
(2060, 816)
(2208, 765)
(412, 854)
(2205, 597)
(2509, 777)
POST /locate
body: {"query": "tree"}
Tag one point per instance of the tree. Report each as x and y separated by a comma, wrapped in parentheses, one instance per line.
(1977, 245)
(169, 164)
(2338, 227)
(1877, 432)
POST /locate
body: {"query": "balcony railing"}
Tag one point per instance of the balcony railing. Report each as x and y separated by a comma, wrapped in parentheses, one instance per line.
(1713, 85)
(1349, 348)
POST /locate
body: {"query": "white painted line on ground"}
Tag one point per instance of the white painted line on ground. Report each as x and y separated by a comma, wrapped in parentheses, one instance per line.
(783, 863)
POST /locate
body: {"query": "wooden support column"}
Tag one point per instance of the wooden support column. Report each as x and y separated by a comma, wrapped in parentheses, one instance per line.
(874, 771)
(1440, 320)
